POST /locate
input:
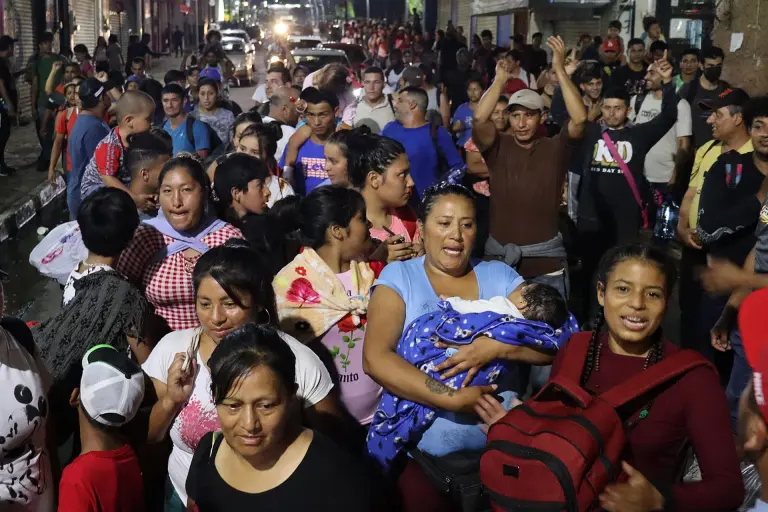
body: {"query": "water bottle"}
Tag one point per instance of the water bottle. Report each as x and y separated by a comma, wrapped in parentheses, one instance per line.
(666, 219)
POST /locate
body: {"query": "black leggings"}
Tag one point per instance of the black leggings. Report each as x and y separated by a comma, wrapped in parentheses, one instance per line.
(5, 133)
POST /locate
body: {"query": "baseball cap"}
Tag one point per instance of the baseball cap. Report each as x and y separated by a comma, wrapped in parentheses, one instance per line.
(112, 386)
(610, 45)
(212, 73)
(527, 98)
(413, 75)
(91, 89)
(728, 97)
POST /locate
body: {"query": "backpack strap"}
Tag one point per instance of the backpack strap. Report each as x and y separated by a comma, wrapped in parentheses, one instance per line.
(627, 175)
(190, 124)
(575, 356)
(669, 368)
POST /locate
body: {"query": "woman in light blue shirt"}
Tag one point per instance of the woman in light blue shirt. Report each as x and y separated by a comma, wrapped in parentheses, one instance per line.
(406, 290)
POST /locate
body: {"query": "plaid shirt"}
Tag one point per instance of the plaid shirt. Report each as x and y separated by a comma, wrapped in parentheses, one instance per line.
(107, 160)
(167, 283)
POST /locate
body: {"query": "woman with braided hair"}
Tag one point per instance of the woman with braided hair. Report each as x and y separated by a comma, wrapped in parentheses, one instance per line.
(633, 288)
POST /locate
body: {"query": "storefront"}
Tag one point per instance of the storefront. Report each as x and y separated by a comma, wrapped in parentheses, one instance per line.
(84, 24)
(17, 23)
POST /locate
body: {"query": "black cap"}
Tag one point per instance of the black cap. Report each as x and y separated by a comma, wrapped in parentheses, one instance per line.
(46, 37)
(728, 97)
(6, 42)
(91, 90)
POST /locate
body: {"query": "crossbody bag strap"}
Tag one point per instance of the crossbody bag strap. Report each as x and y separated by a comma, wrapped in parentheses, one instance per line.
(627, 175)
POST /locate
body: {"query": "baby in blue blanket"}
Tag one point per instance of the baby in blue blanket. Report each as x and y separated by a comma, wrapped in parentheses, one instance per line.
(538, 318)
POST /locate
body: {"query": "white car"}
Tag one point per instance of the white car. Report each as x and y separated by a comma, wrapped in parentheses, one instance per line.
(315, 58)
(240, 34)
(297, 42)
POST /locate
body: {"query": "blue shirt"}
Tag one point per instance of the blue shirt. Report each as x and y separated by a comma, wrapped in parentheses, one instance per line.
(422, 154)
(760, 506)
(86, 134)
(463, 114)
(309, 170)
(450, 432)
(181, 142)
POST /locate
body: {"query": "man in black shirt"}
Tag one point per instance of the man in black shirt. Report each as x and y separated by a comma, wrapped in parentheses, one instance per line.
(9, 97)
(632, 76)
(448, 48)
(702, 92)
(538, 57)
(456, 80)
(608, 211)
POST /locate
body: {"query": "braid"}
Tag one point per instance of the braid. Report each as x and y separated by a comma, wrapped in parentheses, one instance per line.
(589, 362)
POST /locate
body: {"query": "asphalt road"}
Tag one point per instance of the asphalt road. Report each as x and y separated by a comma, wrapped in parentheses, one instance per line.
(27, 293)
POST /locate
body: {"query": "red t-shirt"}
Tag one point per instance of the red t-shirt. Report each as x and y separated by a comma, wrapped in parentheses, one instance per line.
(102, 481)
(693, 409)
(64, 127)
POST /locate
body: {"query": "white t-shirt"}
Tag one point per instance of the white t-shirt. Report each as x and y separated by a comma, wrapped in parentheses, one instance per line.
(287, 132)
(660, 160)
(26, 483)
(393, 79)
(198, 417)
(260, 94)
(278, 189)
(69, 288)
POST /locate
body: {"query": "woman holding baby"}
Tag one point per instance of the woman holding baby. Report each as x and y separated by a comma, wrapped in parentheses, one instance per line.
(409, 289)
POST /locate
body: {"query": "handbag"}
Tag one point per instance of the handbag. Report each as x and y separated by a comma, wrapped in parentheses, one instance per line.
(458, 475)
(644, 210)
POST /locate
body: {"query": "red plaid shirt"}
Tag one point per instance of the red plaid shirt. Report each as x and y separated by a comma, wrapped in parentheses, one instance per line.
(167, 283)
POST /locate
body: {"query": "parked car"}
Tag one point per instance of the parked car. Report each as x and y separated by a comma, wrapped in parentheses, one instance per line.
(242, 56)
(295, 42)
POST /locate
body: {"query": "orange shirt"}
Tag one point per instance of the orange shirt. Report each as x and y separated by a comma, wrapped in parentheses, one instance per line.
(64, 127)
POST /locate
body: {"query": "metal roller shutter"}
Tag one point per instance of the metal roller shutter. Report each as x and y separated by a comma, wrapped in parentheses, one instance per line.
(463, 17)
(85, 16)
(443, 13)
(571, 30)
(17, 21)
(487, 23)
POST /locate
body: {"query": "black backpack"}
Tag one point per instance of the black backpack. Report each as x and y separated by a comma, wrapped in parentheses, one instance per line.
(19, 330)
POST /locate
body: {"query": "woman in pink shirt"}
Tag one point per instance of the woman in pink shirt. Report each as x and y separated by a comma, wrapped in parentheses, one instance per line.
(386, 185)
(323, 293)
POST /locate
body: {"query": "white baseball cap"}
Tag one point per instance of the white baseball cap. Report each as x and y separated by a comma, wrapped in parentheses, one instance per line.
(112, 386)
(527, 98)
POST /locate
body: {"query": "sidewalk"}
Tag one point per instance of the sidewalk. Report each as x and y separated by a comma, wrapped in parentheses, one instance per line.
(24, 194)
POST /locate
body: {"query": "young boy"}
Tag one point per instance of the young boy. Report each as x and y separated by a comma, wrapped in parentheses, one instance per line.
(309, 170)
(106, 476)
(134, 111)
(145, 159)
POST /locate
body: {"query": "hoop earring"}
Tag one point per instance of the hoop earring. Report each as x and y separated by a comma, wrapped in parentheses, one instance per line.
(269, 317)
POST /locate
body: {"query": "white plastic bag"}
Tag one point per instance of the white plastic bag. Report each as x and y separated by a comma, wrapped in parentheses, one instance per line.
(59, 252)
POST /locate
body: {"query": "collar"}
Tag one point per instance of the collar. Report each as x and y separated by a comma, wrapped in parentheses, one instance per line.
(604, 127)
(380, 104)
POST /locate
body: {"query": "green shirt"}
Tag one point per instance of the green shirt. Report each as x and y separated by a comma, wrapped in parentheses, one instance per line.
(43, 64)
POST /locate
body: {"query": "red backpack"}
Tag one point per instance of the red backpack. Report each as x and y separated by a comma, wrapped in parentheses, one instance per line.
(557, 451)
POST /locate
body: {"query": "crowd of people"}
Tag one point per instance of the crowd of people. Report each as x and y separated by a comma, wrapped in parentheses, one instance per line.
(326, 299)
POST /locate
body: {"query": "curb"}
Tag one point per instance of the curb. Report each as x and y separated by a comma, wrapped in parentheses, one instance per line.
(18, 215)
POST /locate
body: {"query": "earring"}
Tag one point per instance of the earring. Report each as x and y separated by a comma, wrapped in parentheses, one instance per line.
(269, 317)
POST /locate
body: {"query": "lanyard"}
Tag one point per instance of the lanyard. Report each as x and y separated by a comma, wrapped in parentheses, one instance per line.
(729, 176)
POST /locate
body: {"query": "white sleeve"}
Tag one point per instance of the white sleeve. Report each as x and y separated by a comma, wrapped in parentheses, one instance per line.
(314, 381)
(684, 124)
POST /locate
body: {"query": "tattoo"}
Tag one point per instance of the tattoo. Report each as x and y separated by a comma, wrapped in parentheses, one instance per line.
(438, 387)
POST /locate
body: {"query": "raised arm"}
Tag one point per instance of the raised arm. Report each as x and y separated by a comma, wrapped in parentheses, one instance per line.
(573, 102)
(50, 83)
(653, 131)
(483, 131)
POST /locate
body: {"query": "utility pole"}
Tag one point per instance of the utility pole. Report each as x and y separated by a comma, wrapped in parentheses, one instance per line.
(368, 9)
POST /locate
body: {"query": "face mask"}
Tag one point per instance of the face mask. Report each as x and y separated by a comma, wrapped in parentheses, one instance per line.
(713, 74)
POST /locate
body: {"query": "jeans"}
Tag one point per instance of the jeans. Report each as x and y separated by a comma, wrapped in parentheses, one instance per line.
(172, 501)
(740, 375)
(46, 143)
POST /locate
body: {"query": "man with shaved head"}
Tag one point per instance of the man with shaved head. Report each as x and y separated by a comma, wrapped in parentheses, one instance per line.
(282, 108)
(421, 139)
(134, 111)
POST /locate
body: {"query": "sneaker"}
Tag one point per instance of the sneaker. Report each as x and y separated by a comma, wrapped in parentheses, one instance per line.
(4, 172)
